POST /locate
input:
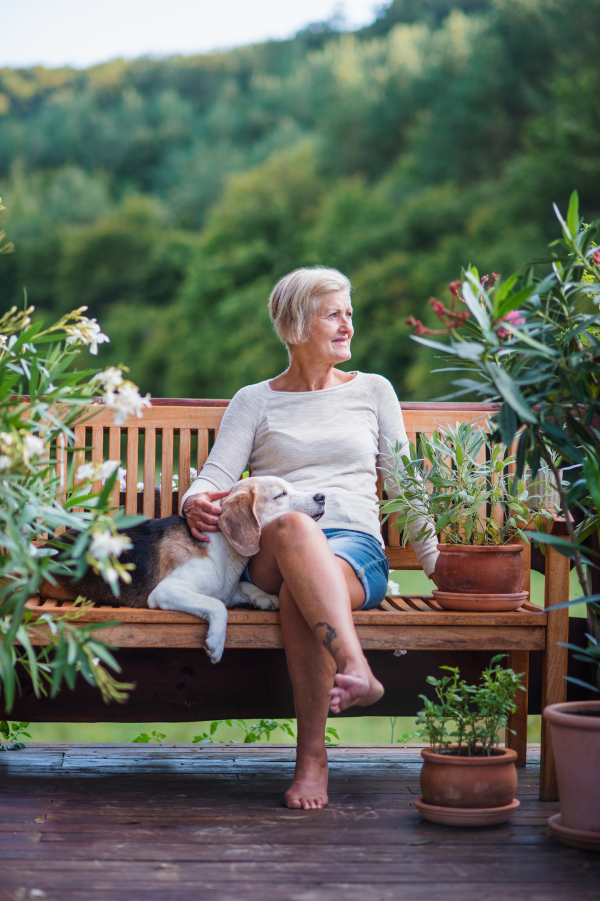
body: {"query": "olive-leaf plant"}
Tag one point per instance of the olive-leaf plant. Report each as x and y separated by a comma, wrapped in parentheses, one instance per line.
(460, 486)
(532, 343)
(41, 400)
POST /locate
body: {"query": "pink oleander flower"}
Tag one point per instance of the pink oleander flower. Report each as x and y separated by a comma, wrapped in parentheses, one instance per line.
(596, 257)
(515, 317)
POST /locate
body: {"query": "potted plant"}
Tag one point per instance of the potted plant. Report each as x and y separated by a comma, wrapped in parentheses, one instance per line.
(466, 779)
(532, 342)
(461, 488)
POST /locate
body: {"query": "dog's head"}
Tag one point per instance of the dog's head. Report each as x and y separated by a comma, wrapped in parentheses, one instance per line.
(255, 502)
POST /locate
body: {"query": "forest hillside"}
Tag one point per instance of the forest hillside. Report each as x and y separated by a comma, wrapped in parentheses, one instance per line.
(169, 195)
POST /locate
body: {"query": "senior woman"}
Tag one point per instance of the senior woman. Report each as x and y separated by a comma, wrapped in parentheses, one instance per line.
(323, 430)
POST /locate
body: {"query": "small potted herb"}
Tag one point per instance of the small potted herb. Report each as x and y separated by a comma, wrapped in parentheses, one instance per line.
(464, 488)
(466, 779)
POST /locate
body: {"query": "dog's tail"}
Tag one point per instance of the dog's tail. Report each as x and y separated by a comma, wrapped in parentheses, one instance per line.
(62, 591)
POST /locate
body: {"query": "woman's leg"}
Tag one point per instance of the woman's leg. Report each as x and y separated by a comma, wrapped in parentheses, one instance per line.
(294, 551)
(317, 593)
(311, 670)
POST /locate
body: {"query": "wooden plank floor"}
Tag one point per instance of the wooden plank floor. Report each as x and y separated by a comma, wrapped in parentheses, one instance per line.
(189, 822)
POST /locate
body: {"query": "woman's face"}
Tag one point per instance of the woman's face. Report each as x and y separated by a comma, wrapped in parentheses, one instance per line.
(331, 328)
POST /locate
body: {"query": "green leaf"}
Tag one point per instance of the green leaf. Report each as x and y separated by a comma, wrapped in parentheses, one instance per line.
(565, 227)
(467, 350)
(511, 393)
(566, 548)
(435, 345)
(503, 289)
(507, 423)
(472, 302)
(573, 214)
(514, 301)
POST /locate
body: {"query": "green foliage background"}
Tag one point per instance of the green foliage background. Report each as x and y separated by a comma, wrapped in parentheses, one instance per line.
(169, 195)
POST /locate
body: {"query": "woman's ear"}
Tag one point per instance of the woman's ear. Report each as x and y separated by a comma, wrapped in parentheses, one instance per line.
(239, 523)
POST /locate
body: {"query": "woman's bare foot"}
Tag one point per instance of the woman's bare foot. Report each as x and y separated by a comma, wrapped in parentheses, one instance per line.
(308, 791)
(354, 690)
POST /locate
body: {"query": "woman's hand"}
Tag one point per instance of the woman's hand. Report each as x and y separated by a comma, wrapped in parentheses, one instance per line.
(202, 513)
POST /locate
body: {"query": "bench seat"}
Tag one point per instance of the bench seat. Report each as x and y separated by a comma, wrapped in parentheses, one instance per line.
(408, 622)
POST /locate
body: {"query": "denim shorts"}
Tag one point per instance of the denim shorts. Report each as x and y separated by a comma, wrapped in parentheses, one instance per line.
(365, 555)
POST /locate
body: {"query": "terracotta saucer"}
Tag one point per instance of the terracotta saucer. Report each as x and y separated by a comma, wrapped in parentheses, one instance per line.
(465, 816)
(576, 838)
(480, 603)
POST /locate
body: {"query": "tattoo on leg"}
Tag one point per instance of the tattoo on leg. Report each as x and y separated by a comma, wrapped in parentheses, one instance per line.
(330, 636)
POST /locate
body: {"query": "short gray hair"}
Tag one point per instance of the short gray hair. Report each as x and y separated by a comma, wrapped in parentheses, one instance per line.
(295, 297)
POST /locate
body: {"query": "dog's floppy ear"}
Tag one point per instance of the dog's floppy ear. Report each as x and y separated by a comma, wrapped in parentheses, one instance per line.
(239, 523)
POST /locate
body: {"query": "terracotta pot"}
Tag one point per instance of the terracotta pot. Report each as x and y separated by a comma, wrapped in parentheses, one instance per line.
(474, 782)
(475, 569)
(576, 742)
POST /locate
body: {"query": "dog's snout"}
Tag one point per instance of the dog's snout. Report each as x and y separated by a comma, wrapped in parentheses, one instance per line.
(319, 498)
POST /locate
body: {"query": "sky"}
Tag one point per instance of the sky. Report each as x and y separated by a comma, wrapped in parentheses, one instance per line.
(83, 32)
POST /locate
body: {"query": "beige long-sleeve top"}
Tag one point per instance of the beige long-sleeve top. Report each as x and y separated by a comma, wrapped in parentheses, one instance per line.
(330, 441)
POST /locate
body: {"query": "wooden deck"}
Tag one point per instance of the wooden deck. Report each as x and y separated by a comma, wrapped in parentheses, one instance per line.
(189, 822)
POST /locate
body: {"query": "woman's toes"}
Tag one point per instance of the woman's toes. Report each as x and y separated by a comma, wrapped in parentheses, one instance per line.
(349, 690)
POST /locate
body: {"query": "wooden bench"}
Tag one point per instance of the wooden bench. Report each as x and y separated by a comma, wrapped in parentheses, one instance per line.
(184, 430)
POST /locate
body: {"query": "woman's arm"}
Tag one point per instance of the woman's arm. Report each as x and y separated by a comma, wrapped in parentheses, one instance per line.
(230, 454)
(391, 428)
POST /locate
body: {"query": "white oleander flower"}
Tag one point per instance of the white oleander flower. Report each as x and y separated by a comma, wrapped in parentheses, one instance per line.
(106, 469)
(87, 471)
(105, 545)
(88, 332)
(7, 441)
(5, 462)
(111, 574)
(193, 473)
(126, 402)
(3, 342)
(122, 477)
(111, 378)
(140, 486)
(33, 446)
(393, 588)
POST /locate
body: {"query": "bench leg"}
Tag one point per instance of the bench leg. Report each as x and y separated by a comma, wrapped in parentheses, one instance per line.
(554, 684)
(517, 721)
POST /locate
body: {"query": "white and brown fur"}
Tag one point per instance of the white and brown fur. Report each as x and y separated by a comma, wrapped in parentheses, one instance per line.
(175, 571)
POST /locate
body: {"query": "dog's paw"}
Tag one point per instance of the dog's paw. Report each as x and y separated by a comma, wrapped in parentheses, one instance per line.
(264, 601)
(246, 593)
(214, 654)
(214, 647)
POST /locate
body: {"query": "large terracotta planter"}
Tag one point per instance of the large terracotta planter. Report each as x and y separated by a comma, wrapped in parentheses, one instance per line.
(468, 791)
(475, 569)
(576, 742)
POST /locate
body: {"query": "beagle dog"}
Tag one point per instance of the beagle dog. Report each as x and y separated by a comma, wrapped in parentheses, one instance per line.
(175, 571)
